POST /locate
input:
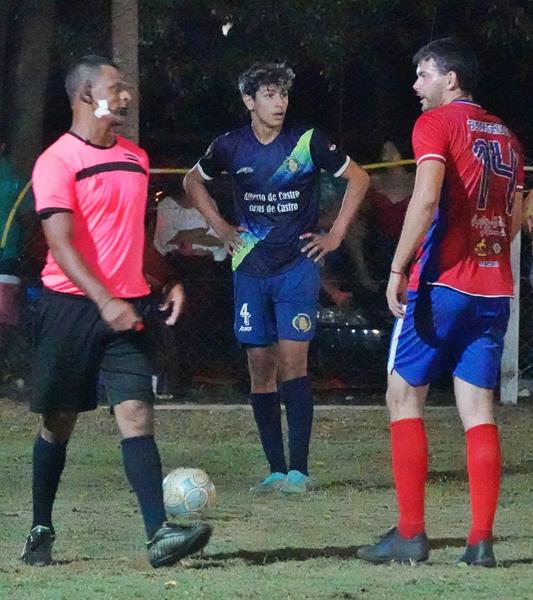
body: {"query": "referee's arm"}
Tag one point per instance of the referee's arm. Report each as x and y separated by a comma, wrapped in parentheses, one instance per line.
(58, 230)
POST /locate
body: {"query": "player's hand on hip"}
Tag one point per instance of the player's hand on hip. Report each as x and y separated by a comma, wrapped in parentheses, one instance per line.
(231, 236)
(397, 294)
(175, 300)
(120, 315)
(319, 244)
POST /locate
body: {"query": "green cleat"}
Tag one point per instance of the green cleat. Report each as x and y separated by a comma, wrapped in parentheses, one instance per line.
(38, 547)
(297, 483)
(173, 542)
(273, 483)
(394, 548)
(478, 555)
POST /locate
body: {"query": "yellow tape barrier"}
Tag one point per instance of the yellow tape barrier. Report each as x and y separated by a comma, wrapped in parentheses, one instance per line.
(12, 213)
(182, 171)
(369, 167)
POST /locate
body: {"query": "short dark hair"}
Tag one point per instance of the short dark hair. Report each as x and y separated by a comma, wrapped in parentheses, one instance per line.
(86, 68)
(259, 74)
(452, 54)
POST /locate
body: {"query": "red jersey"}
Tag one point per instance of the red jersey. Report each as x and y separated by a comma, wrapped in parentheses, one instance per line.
(106, 190)
(467, 247)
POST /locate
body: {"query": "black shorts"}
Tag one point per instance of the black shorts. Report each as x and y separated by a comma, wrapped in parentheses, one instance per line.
(75, 351)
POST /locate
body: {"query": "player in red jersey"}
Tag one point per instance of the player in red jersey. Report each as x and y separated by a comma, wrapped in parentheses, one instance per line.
(453, 308)
(91, 190)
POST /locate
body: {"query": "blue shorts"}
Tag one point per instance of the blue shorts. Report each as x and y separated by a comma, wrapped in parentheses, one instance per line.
(279, 307)
(446, 330)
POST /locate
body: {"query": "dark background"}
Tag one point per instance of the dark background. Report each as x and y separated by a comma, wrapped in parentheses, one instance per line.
(352, 60)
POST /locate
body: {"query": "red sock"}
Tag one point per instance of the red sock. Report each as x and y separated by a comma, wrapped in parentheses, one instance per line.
(409, 466)
(483, 459)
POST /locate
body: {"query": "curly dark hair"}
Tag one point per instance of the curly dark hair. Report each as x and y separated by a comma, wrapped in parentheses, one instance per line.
(259, 74)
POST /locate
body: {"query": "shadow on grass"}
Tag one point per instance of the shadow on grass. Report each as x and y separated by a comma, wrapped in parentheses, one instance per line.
(439, 543)
(268, 557)
(519, 561)
(523, 468)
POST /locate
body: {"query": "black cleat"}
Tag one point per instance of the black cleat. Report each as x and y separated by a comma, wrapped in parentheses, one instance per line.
(393, 547)
(478, 555)
(38, 547)
(173, 542)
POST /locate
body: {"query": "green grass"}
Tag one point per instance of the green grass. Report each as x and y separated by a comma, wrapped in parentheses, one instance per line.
(266, 547)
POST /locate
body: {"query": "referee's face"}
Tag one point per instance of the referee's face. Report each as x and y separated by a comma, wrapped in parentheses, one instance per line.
(430, 85)
(269, 105)
(111, 88)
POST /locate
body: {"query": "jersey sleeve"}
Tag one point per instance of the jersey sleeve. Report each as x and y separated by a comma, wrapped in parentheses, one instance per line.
(326, 155)
(213, 161)
(430, 138)
(53, 185)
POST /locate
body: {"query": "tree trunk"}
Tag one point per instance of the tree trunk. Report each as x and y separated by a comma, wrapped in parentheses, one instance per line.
(125, 37)
(29, 79)
(5, 14)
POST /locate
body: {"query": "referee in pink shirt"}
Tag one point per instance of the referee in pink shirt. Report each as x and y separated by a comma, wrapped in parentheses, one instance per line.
(90, 189)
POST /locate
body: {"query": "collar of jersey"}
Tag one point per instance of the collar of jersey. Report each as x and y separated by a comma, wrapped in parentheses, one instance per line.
(465, 101)
(88, 143)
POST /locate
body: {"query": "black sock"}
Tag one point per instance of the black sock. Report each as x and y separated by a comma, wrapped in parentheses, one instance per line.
(298, 399)
(267, 413)
(143, 470)
(48, 464)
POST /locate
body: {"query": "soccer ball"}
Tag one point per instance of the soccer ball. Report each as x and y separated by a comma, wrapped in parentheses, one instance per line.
(188, 492)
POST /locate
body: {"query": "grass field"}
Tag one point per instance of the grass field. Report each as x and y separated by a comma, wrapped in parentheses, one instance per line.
(267, 547)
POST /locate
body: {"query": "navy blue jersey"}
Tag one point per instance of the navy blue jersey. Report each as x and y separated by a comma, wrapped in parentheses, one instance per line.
(276, 191)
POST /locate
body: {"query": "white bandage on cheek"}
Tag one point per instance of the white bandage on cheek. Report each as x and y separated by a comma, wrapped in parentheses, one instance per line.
(102, 110)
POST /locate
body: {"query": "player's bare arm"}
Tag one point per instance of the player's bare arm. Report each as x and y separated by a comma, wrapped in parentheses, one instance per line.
(58, 230)
(320, 245)
(194, 186)
(418, 219)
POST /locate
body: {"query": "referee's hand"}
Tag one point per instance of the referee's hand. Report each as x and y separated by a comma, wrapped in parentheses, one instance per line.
(120, 315)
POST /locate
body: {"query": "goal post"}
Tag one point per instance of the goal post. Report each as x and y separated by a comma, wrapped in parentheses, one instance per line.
(509, 368)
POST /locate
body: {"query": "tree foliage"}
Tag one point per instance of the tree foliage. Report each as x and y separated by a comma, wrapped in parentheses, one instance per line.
(352, 59)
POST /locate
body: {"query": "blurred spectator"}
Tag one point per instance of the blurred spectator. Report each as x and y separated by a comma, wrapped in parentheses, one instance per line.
(348, 262)
(527, 224)
(14, 213)
(195, 256)
(388, 197)
(181, 228)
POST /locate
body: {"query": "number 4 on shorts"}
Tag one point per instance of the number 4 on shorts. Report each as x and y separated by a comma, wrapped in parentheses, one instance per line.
(245, 314)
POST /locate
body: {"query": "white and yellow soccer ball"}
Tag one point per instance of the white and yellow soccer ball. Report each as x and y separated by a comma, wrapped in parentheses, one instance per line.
(188, 492)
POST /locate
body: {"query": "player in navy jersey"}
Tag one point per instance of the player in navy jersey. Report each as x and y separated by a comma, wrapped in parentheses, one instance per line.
(463, 215)
(276, 252)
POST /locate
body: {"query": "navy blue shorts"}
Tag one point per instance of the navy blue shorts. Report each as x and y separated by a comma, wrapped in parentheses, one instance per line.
(447, 330)
(283, 306)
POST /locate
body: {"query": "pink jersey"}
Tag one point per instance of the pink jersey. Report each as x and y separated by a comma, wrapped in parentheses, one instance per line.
(467, 247)
(105, 189)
